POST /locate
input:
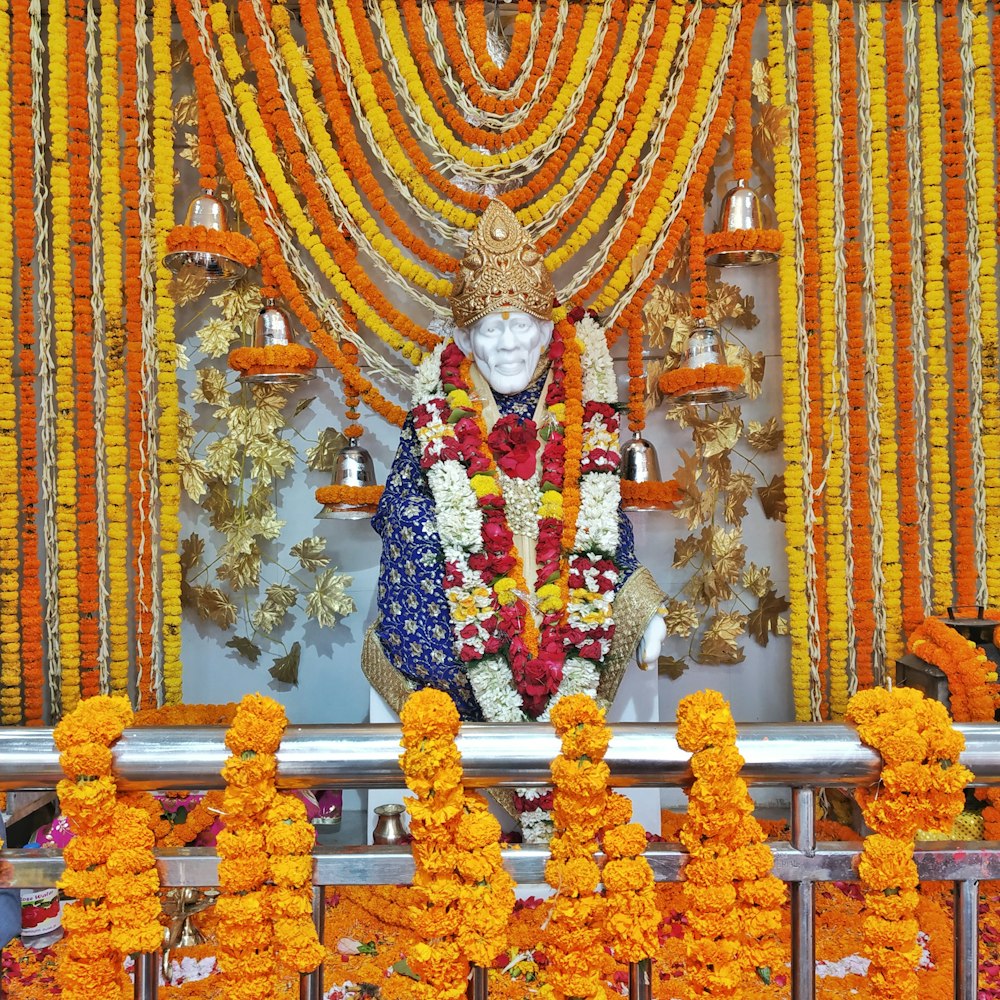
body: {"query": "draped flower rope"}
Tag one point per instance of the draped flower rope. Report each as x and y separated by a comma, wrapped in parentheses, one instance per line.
(46, 363)
(734, 902)
(518, 161)
(479, 64)
(986, 213)
(98, 319)
(793, 354)
(884, 498)
(623, 285)
(277, 246)
(539, 78)
(975, 302)
(918, 316)
(920, 788)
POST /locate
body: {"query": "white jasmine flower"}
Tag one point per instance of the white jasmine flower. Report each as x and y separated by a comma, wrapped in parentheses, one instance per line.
(597, 523)
(459, 519)
(493, 687)
(427, 381)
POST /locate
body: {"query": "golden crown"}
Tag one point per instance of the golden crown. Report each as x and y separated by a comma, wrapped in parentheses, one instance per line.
(501, 269)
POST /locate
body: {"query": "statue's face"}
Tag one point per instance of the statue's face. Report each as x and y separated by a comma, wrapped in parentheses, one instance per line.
(506, 347)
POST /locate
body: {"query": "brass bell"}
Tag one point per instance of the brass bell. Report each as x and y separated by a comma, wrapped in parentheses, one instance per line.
(704, 347)
(741, 210)
(208, 211)
(354, 468)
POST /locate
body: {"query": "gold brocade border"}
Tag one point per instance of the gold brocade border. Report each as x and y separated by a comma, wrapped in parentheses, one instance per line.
(637, 602)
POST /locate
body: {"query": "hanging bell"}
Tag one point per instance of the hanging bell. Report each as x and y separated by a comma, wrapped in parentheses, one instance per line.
(354, 469)
(741, 212)
(704, 348)
(639, 461)
(206, 211)
(273, 328)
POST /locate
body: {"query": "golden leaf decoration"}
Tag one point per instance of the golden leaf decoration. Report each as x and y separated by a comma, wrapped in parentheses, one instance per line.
(680, 617)
(671, 667)
(185, 288)
(329, 601)
(194, 475)
(685, 549)
(271, 459)
(757, 579)
(179, 54)
(760, 81)
(763, 620)
(772, 499)
(765, 436)
(224, 459)
(322, 457)
(663, 310)
(189, 149)
(752, 365)
(310, 553)
(697, 507)
(240, 304)
(186, 111)
(215, 606)
(211, 387)
(241, 571)
(728, 553)
(215, 337)
(738, 490)
(254, 423)
(720, 469)
(718, 642)
(721, 434)
(192, 552)
(772, 129)
(286, 668)
(281, 595)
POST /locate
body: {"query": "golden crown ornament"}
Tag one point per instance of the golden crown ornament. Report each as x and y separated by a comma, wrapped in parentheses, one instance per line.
(501, 270)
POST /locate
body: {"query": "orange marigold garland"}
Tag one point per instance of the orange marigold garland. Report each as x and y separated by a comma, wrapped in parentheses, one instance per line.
(261, 925)
(920, 788)
(573, 937)
(661, 495)
(273, 358)
(734, 902)
(679, 381)
(110, 869)
(467, 897)
(226, 243)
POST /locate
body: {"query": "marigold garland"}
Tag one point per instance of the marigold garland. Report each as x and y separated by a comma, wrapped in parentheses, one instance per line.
(273, 358)
(225, 243)
(465, 896)
(662, 495)
(939, 443)
(734, 903)
(792, 384)
(920, 787)
(361, 496)
(572, 939)
(679, 381)
(265, 839)
(110, 869)
(11, 704)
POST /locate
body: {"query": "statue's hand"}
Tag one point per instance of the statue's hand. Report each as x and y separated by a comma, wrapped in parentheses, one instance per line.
(648, 650)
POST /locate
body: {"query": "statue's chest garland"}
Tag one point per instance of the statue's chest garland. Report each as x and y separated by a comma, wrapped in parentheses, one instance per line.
(555, 482)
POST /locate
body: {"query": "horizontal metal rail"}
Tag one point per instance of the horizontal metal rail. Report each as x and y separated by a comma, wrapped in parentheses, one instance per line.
(789, 754)
(800, 756)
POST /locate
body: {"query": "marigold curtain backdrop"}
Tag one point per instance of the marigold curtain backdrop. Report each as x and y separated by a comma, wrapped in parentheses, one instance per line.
(361, 142)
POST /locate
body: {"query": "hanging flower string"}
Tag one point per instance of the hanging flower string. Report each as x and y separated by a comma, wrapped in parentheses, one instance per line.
(573, 937)
(920, 788)
(734, 902)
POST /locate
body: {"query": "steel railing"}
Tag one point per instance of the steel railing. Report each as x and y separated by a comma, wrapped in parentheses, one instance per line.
(802, 757)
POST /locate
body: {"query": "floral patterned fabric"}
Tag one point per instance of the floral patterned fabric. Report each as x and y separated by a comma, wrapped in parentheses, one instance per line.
(415, 625)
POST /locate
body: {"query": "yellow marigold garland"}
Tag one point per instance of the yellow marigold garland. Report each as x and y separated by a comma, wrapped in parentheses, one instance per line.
(986, 207)
(11, 711)
(246, 101)
(939, 443)
(110, 869)
(573, 937)
(920, 788)
(62, 294)
(833, 380)
(888, 454)
(166, 352)
(734, 902)
(114, 345)
(795, 538)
